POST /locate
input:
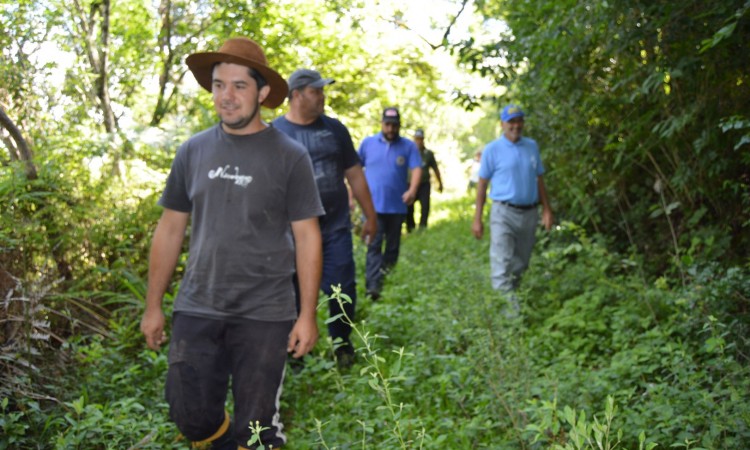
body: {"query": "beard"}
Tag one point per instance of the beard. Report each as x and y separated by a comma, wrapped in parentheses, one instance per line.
(243, 121)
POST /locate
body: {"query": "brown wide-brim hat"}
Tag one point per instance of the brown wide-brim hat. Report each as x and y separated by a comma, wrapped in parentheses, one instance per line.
(245, 52)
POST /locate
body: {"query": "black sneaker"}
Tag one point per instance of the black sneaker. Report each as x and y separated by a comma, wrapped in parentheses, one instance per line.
(344, 356)
(374, 295)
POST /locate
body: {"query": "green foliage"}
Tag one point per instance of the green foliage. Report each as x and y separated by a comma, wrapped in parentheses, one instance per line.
(439, 366)
(639, 109)
(74, 241)
(581, 433)
(638, 298)
(13, 428)
(113, 403)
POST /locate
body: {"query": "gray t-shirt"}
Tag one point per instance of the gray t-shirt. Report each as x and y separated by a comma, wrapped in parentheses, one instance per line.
(242, 193)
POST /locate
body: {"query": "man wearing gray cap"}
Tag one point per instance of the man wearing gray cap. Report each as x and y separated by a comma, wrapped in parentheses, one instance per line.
(334, 160)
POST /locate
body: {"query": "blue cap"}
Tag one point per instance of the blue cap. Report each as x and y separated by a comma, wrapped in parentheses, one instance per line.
(510, 112)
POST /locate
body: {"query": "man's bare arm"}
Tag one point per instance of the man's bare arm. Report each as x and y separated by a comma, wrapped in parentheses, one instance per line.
(358, 184)
(166, 246)
(477, 227)
(309, 256)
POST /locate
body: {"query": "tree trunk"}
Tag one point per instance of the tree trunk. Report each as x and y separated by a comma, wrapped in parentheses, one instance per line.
(103, 72)
(23, 152)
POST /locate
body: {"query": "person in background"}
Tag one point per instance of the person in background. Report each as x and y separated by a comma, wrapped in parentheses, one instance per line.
(334, 160)
(249, 194)
(423, 192)
(387, 159)
(513, 168)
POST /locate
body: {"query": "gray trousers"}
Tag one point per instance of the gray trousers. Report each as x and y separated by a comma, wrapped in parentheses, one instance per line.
(512, 238)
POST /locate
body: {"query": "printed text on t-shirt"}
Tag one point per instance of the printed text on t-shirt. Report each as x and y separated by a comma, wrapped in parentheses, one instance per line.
(223, 172)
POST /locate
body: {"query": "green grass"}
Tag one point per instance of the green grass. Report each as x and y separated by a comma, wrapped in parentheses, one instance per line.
(602, 358)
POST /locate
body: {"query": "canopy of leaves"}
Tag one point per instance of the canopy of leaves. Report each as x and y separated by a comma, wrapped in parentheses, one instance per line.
(641, 111)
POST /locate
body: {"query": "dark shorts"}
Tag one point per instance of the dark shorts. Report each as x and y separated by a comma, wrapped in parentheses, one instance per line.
(203, 355)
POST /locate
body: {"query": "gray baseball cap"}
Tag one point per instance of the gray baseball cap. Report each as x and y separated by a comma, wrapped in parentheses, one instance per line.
(307, 77)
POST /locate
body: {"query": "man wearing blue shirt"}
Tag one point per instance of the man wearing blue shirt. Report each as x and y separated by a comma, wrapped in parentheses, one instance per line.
(511, 165)
(387, 158)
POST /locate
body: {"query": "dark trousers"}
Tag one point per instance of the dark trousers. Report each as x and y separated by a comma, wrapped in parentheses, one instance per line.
(204, 354)
(379, 261)
(423, 197)
(338, 268)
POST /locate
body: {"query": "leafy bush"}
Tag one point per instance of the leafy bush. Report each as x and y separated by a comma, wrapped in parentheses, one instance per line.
(439, 366)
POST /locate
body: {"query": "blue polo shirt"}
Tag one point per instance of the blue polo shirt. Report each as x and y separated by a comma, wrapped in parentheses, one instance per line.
(387, 167)
(512, 169)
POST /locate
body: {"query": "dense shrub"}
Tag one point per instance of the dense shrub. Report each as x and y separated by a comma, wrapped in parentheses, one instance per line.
(602, 352)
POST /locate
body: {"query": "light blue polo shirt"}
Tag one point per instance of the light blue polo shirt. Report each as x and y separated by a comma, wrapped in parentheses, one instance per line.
(387, 167)
(512, 169)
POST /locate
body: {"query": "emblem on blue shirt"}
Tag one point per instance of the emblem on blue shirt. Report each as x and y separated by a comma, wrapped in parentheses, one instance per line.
(400, 160)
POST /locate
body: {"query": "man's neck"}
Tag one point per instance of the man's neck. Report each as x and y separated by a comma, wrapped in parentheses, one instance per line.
(299, 119)
(253, 127)
(511, 140)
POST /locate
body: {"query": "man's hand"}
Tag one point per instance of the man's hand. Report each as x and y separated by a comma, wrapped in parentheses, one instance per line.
(303, 337)
(477, 229)
(547, 218)
(408, 197)
(152, 327)
(369, 229)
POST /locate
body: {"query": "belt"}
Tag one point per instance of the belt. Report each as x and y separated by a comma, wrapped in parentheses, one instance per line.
(521, 207)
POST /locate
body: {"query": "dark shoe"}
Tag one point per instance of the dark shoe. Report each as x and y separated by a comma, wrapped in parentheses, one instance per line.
(344, 356)
(374, 295)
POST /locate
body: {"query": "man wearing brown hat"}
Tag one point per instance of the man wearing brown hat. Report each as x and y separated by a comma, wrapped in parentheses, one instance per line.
(249, 193)
(334, 160)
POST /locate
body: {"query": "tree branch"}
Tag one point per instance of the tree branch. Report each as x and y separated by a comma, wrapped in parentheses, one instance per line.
(24, 152)
(401, 24)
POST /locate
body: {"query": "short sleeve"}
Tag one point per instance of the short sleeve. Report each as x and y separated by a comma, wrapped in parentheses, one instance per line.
(415, 160)
(350, 158)
(485, 165)
(303, 200)
(363, 152)
(175, 195)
